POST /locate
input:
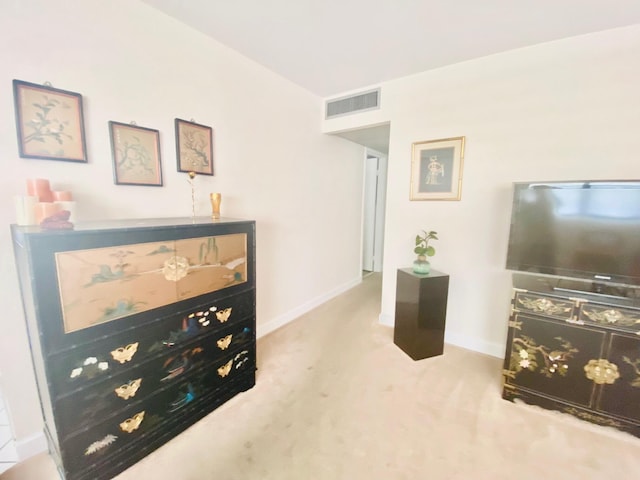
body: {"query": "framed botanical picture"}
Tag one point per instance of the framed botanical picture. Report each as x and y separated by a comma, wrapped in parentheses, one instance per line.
(436, 169)
(194, 147)
(49, 122)
(136, 155)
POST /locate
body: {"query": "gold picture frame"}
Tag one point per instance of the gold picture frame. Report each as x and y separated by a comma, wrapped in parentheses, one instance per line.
(436, 169)
(49, 122)
(194, 147)
(136, 155)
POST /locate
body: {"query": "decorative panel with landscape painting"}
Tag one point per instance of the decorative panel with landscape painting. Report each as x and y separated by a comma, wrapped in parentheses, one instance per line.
(104, 284)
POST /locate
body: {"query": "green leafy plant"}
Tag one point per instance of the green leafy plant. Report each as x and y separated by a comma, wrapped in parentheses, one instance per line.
(423, 249)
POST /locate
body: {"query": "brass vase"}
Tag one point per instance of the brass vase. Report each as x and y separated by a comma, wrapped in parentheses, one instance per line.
(216, 199)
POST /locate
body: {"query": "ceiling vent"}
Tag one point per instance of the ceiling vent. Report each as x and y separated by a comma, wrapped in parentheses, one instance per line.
(357, 103)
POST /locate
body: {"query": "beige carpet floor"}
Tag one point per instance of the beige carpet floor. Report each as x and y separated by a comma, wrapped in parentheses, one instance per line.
(335, 399)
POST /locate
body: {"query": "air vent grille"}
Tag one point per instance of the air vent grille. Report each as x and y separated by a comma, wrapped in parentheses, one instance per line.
(353, 103)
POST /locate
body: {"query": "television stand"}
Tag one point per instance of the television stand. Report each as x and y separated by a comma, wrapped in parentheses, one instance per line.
(574, 351)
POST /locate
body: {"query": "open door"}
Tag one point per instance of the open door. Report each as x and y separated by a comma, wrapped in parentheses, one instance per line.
(373, 214)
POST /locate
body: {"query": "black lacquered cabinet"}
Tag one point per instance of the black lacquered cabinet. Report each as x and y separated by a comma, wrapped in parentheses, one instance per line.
(138, 329)
(421, 310)
(575, 351)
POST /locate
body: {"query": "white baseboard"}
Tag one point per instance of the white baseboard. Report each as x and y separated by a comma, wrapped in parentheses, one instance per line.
(464, 341)
(386, 319)
(31, 445)
(480, 346)
(280, 321)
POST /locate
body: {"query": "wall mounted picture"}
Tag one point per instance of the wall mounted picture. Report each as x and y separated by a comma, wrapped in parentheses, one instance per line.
(436, 169)
(136, 155)
(49, 122)
(194, 147)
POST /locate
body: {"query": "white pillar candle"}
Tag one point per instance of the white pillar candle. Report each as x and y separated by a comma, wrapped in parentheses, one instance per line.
(25, 209)
(70, 206)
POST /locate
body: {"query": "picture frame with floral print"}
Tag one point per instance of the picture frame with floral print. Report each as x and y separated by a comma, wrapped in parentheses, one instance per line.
(49, 122)
(136, 155)
(194, 147)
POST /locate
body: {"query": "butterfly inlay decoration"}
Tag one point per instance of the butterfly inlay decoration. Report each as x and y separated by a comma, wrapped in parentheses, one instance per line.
(223, 315)
(132, 424)
(128, 390)
(224, 370)
(126, 353)
(224, 342)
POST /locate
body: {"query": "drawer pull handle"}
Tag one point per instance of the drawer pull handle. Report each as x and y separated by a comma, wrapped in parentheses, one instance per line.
(543, 305)
(132, 424)
(224, 370)
(128, 390)
(125, 354)
(601, 371)
(224, 342)
(223, 315)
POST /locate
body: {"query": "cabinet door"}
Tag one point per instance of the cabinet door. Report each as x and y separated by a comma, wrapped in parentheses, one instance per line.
(619, 376)
(548, 357)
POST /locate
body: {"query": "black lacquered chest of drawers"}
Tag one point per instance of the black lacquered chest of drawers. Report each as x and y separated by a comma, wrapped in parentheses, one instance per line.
(138, 329)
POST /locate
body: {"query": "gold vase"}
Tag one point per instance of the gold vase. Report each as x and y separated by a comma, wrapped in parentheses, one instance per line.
(216, 198)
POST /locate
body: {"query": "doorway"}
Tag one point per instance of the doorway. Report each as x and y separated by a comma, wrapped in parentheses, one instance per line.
(375, 181)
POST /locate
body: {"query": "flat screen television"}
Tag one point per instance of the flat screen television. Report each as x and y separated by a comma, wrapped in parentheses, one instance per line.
(577, 229)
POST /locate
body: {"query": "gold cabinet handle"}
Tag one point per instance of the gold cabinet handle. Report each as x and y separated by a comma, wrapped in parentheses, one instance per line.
(126, 353)
(224, 370)
(128, 390)
(224, 342)
(223, 315)
(132, 424)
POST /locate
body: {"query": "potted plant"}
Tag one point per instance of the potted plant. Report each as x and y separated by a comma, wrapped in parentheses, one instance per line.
(421, 265)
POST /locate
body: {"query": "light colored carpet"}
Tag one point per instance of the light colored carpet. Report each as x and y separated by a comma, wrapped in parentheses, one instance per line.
(335, 399)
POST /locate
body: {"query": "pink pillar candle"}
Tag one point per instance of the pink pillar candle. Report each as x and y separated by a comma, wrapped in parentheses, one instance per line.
(62, 196)
(45, 210)
(39, 187)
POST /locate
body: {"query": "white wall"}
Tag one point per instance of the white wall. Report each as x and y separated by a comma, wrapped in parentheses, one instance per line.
(563, 110)
(272, 163)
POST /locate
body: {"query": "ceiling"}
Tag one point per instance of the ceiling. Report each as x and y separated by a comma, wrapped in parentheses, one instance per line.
(331, 47)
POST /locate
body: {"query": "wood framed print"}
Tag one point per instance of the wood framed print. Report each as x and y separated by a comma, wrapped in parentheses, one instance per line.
(194, 147)
(136, 155)
(436, 169)
(49, 123)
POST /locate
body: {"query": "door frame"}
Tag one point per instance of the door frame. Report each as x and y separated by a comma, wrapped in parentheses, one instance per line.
(373, 209)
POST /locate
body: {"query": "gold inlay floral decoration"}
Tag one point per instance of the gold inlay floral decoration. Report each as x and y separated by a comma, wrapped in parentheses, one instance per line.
(601, 371)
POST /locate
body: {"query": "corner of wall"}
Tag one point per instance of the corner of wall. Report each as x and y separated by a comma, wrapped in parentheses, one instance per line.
(30, 446)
